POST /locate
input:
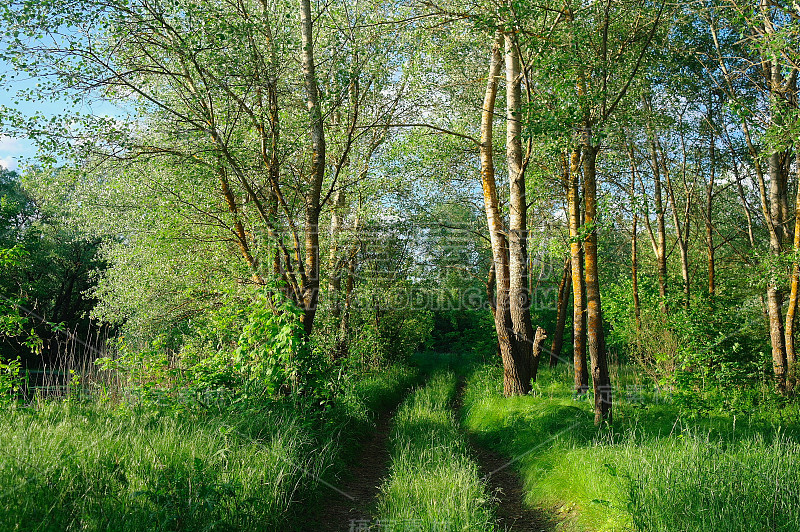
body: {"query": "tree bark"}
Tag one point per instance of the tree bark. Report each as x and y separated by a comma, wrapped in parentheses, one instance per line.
(337, 270)
(576, 260)
(791, 310)
(637, 307)
(681, 229)
(561, 313)
(659, 246)
(536, 349)
(310, 275)
(594, 314)
(712, 155)
(519, 294)
(514, 379)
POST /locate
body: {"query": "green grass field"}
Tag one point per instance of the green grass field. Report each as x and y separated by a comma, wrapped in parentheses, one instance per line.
(74, 465)
(70, 466)
(655, 470)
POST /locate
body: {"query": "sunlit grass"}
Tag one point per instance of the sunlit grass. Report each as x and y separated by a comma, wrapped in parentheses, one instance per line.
(65, 468)
(657, 470)
(70, 466)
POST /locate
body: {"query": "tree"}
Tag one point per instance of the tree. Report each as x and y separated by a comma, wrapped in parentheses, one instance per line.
(212, 86)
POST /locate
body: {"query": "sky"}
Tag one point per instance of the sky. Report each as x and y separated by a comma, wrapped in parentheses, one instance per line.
(14, 151)
(11, 150)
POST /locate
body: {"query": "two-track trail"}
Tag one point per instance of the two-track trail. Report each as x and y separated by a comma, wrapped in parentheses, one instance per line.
(351, 506)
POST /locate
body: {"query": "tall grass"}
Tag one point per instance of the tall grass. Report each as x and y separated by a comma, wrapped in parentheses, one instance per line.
(68, 368)
(70, 465)
(433, 484)
(694, 482)
(87, 469)
(655, 471)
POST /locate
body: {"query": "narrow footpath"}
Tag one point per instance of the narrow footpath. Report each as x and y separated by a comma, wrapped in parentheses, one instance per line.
(504, 482)
(351, 508)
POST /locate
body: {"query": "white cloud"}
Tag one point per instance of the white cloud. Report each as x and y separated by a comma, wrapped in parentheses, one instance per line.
(10, 149)
(9, 163)
(9, 144)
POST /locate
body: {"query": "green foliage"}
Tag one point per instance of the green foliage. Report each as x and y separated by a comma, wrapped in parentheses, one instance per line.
(269, 357)
(712, 356)
(10, 380)
(45, 266)
(13, 324)
(721, 355)
(383, 327)
(271, 350)
(464, 331)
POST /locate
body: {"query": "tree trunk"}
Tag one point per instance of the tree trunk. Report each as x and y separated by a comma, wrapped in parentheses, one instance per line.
(778, 201)
(310, 275)
(660, 246)
(576, 259)
(601, 381)
(336, 266)
(514, 380)
(791, 310)
(774, 298)
(681, 229)
(712, 283)
(774, 293)
(561, 317)
(519, 296)
(637, 306)
(536, 350)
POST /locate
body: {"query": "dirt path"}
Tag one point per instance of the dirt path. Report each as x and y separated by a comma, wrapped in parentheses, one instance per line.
(514, 515)
(506, 485)
(352, 507)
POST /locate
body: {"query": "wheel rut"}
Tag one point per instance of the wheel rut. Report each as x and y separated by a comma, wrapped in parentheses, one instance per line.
(351, 506)
(506, 486)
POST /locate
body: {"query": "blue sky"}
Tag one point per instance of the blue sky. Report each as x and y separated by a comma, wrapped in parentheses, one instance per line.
(14, 151)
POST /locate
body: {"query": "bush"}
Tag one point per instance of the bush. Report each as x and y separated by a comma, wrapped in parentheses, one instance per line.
(711, 356)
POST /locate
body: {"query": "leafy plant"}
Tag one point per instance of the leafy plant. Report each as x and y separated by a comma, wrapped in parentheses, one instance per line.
(271, 353)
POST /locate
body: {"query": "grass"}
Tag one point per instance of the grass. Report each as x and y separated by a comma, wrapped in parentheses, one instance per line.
(693, 482)
(65, 468)
(71, 466)
(656, 470)
(434, 483)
